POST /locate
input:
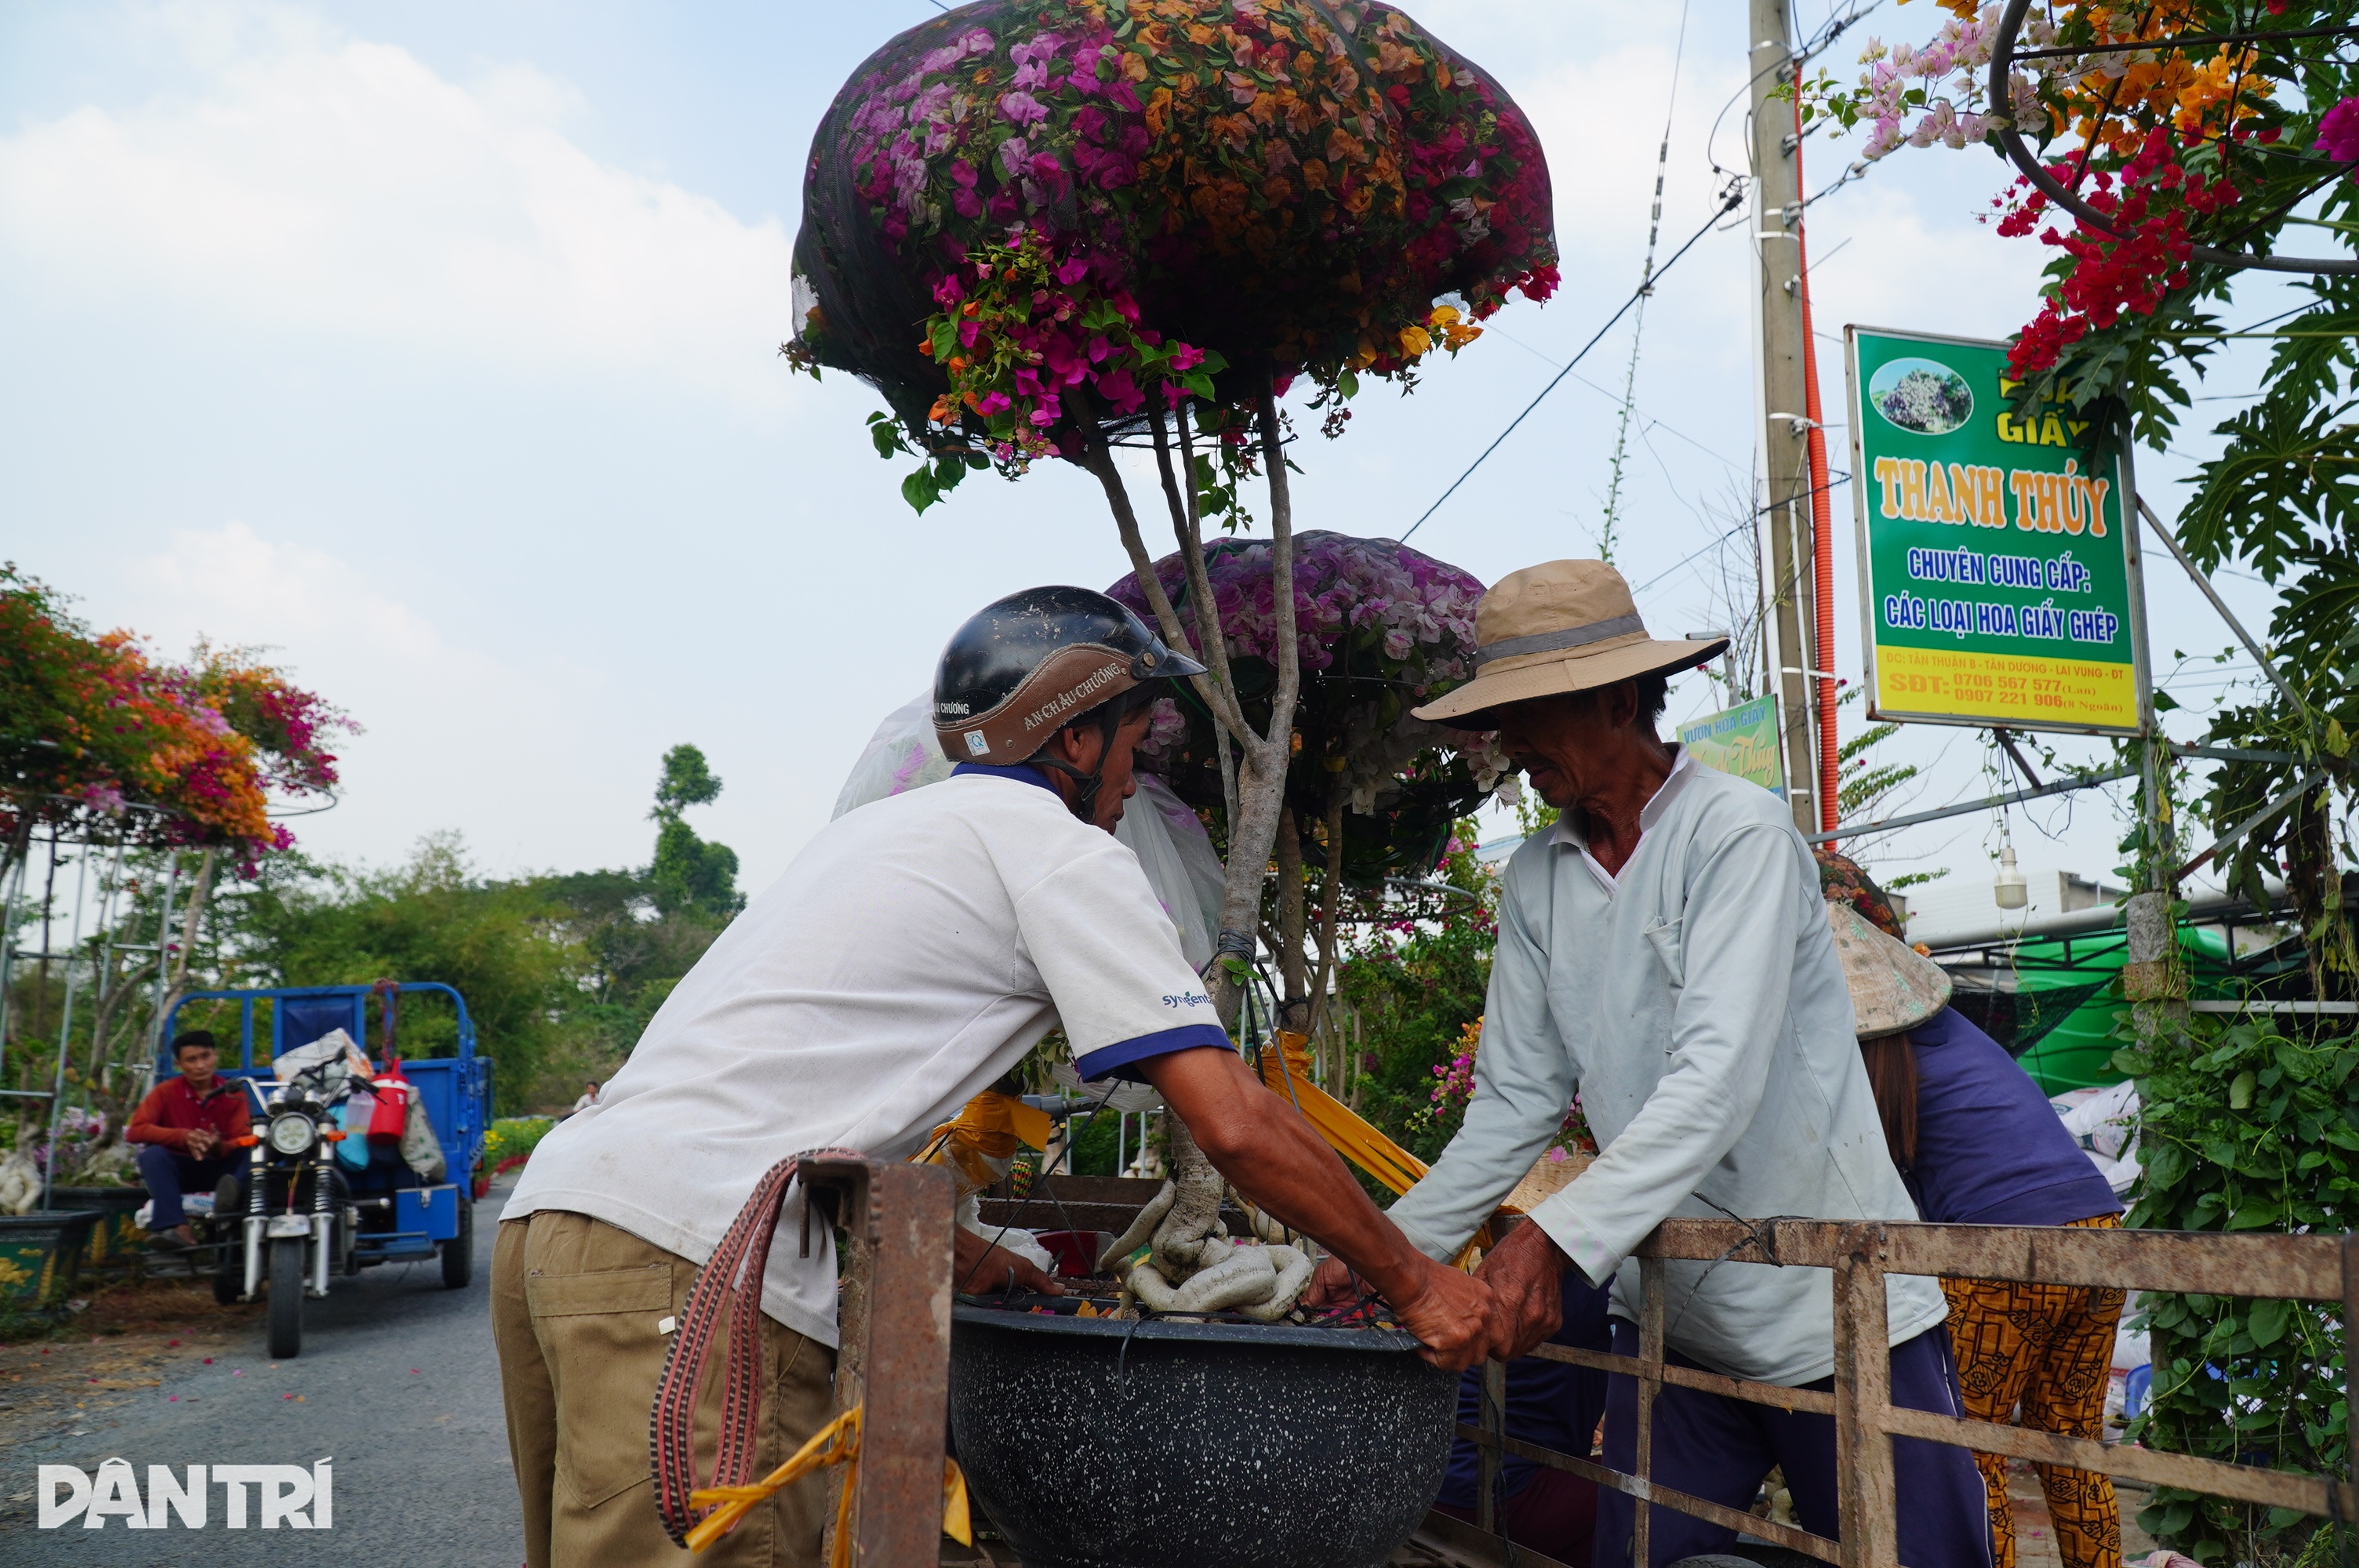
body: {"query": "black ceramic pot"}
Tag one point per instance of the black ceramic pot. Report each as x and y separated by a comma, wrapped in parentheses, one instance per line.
(1096, 1444)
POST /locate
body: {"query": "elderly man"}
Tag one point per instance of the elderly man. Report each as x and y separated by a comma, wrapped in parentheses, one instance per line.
(1663, 952)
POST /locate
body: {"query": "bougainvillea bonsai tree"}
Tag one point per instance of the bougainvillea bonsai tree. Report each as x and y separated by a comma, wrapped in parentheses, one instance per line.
(1046, 228)
(1371, 791)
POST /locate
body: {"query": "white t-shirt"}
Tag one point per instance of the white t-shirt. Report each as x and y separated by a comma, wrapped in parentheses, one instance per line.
(915, 949)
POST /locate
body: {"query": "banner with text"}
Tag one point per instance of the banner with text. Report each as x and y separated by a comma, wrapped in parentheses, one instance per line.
(1741, 741)
(1996, 559)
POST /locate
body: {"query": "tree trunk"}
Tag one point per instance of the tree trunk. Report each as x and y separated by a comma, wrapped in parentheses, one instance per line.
(1293, 920)
(200, 890)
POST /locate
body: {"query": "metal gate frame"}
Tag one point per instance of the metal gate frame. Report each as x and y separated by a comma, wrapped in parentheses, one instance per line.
(2301, 1268)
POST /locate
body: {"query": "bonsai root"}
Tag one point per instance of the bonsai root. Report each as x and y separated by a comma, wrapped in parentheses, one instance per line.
(1194, 1267)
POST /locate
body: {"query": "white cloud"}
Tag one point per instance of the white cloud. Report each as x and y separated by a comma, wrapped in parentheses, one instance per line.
(247, 589)
(322, 185)
(451, 731)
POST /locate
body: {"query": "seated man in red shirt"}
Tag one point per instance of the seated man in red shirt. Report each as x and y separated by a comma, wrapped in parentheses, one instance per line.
(183, 1128)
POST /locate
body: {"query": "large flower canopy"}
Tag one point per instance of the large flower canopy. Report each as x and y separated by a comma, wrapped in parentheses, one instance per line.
(1380, 628)
(1023, 219)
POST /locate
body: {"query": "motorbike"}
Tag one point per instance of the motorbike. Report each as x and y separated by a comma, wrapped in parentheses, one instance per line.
(298, 1217)
(290, 1220)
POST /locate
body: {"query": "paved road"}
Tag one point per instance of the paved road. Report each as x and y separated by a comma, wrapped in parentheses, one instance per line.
(398, 1382)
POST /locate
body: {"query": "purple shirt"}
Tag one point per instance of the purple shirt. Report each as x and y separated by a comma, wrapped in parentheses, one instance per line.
(1990, 1149)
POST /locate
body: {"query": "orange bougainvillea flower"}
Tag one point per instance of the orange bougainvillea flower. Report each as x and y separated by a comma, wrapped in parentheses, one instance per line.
(95, 729)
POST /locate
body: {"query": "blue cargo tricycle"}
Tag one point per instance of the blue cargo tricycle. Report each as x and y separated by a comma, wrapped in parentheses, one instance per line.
(319, 1196)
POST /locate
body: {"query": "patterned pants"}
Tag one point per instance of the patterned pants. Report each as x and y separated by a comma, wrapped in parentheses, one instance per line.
(2048, 1349)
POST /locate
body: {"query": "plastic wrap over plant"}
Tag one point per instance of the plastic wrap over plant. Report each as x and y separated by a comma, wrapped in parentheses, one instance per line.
(1025, 217)
(1160, 830)
(1380, 628)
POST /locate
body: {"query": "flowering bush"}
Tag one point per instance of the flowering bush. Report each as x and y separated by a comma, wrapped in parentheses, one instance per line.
(1087, 201)
(1379, 629)
(91, 725)
(2160, 142)
(1453, 1091)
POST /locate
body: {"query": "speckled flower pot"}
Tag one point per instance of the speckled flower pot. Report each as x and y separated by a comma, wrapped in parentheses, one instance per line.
(1095, 1443)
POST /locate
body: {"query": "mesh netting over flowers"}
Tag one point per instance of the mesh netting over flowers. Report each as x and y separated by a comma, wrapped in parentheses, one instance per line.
(1025, 217)
(1380, 628)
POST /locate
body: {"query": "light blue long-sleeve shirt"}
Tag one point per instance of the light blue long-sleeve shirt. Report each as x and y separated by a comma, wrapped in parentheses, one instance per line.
(1696, 1004)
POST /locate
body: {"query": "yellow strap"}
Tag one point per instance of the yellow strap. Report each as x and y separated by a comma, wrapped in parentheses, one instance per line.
(988, 1128)
(837, 1443)
(1286, 1071)
(956, 1522)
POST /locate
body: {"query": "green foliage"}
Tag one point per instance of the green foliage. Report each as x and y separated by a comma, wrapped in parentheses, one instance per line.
(689, 875)
(2244, 1129)
(1415, 985)
(687, 781)
(505, 946)
(514, 1138)
(1093, 1147)
(633, 951)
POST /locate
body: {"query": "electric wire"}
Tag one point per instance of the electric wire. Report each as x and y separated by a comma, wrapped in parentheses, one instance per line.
(1728, 204)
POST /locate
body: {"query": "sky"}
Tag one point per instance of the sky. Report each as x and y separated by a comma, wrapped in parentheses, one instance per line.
(433, 348)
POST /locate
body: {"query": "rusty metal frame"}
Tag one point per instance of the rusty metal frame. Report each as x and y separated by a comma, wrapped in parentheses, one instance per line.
(2301, 1268)
(894, 1354)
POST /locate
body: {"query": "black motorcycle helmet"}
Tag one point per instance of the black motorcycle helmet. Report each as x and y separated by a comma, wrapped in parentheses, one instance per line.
(1034, 662)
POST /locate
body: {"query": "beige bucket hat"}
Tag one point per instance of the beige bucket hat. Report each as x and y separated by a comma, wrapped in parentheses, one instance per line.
(1893, 987)
(1558, 627)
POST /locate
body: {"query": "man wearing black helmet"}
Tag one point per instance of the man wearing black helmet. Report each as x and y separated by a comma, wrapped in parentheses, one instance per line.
(912, 954)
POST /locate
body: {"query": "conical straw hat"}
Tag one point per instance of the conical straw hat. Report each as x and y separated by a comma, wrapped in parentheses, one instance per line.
(1893, 987)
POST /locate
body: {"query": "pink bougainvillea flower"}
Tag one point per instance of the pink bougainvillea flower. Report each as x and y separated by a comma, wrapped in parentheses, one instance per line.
(1120, 392)
(1185, 356)
(1022, 109)
(2338, 132)
(992, 402)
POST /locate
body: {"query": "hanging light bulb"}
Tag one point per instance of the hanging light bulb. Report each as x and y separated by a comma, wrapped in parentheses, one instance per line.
(2010, 890)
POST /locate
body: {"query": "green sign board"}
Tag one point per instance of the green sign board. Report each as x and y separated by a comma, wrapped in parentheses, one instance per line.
(1742, 741)
(1998, 563)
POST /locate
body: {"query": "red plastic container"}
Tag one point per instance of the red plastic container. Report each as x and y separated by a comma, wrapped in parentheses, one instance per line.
(1076, 1251)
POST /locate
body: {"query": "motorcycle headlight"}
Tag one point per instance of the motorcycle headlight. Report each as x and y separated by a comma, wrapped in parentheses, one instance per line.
(291, 1133)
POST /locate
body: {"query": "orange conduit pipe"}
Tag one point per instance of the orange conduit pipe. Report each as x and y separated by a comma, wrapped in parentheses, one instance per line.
(1822, 534)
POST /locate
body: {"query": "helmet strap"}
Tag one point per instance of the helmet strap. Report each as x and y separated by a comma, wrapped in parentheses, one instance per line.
(1085, 804)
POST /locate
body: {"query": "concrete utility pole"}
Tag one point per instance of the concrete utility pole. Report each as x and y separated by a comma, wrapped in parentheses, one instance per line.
(1778, 214)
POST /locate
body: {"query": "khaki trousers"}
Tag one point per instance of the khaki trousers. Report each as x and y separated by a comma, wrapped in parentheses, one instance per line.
(576, 1308)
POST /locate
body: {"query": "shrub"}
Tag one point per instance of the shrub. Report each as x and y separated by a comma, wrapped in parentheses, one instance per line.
(2246, 1128)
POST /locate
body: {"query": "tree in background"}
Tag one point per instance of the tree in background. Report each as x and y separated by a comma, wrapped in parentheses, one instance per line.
(689, 874)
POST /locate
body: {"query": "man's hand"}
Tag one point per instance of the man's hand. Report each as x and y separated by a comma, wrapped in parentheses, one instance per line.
(1271, 1155)
(1451, 1314)
(1330, 1287)
(202, 1142)
(980, 1267)
(1525, 1273)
